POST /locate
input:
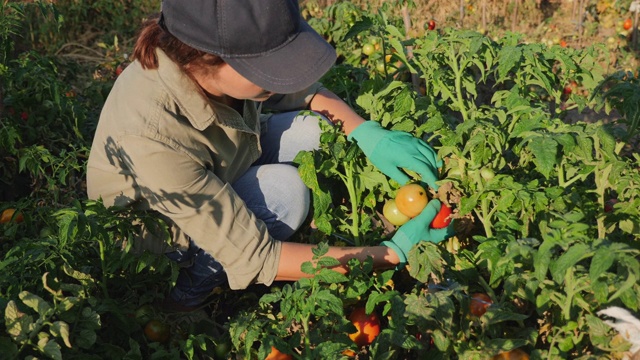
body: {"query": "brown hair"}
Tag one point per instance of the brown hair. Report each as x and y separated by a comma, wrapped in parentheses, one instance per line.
(152, 36)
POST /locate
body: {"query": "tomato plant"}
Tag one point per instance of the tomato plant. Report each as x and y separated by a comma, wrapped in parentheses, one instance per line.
(411, 199)
(537, 235)
(157, 331)
(442, 219)
(480, 302)
(367, 326)
(391, 213)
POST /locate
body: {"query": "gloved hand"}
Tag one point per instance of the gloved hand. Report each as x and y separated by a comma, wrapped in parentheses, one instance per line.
(418, 229)
(391, 150)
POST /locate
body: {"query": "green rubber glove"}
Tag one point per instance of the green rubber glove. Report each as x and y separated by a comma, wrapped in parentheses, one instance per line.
(390, 151)
(418, 229)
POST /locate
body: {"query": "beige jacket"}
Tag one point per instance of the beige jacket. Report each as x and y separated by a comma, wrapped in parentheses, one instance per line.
(160, 145)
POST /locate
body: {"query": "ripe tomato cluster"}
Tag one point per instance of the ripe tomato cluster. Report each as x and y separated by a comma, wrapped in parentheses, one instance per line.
(409, 202)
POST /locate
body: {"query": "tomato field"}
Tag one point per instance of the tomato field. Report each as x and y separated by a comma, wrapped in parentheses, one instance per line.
(531, 105)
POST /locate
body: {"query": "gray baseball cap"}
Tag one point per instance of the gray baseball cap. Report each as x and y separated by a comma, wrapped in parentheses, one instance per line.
(266, 41)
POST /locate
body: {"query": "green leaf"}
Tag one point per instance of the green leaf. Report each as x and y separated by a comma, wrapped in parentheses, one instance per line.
(626, 285)
(567, 260)
(308, 268)
(51, 349)
(495, 315)
(545, 150)
(329, 301)
(61, 329)
(508, 58)
(307, 170)
(629, 297)
(18, 325)
(600, 290)
(601, 262)
(358, 27)
(425, 259)
(8, 348)
(495, 346)
(331, 276)
(36, 303)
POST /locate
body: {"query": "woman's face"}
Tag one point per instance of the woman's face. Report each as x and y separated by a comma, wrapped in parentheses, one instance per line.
(224, 81)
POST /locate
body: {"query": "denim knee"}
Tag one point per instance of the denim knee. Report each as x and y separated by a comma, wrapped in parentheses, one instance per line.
(276, 194)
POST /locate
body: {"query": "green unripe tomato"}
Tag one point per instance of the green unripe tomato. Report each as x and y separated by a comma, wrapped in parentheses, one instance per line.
(487, 173)
(391, 213)
(368, 49)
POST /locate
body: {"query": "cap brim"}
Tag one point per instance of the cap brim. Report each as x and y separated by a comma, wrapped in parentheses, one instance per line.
(291, 68)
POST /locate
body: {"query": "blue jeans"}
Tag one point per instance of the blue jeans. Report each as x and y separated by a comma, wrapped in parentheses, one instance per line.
(271, 189)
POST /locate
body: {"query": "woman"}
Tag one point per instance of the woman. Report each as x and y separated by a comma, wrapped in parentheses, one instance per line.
(181, 134)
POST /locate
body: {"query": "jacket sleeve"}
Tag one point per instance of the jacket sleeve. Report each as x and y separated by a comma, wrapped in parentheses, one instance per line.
(205, 208)
(294, 101)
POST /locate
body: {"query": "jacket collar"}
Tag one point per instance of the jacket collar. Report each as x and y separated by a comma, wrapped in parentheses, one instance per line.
(185, 92)
(196, 107)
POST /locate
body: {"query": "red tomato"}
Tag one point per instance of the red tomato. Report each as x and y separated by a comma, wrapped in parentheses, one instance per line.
(563, 43)
(411, 199)
(442, 219)
(515, 354)
(608, 206)
(349, 353)
(391, 213)
(275, 354)
(628, 23)
(479, 304)
(24, 116)
(431, 25)
(368, 326)
(157, 331)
